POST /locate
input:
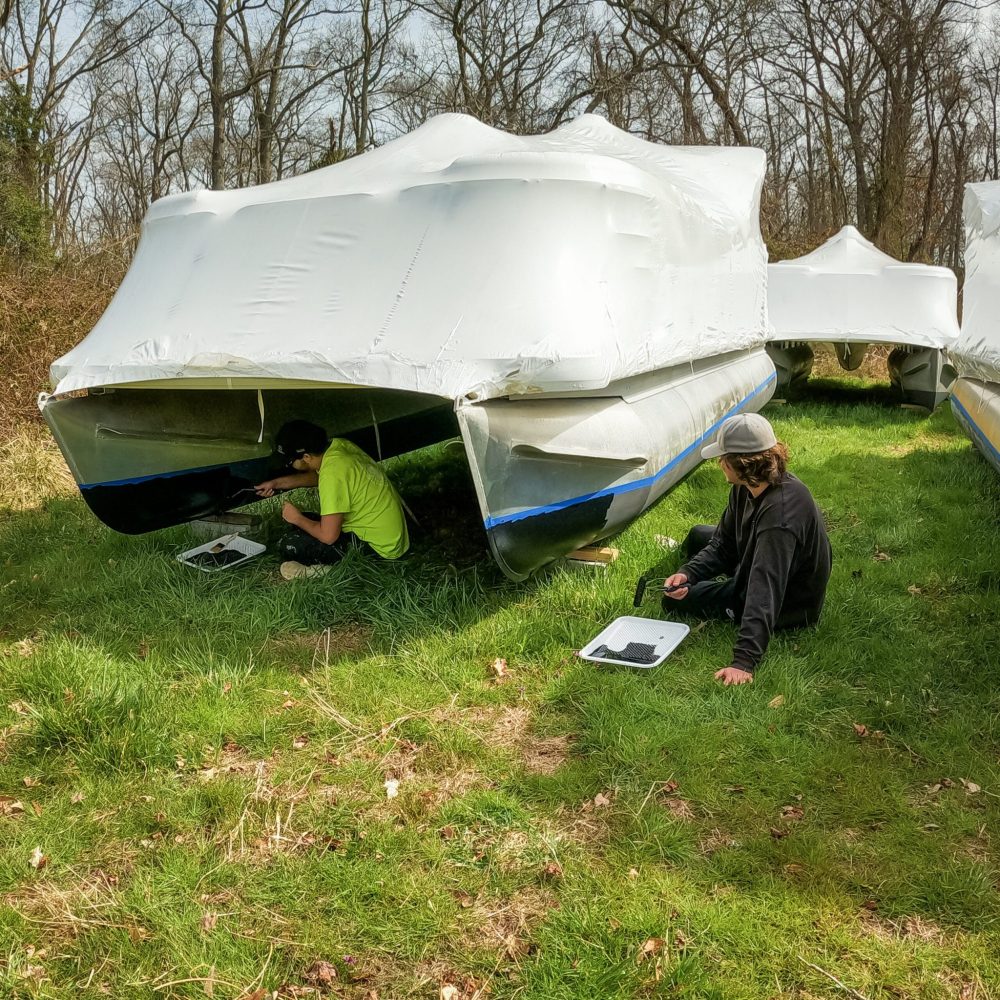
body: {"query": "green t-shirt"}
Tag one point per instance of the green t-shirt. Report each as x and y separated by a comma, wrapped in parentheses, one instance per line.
(350, 483)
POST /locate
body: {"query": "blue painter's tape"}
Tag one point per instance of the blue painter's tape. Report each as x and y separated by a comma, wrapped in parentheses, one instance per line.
(977, 430)
(155, 475)
(638, 484)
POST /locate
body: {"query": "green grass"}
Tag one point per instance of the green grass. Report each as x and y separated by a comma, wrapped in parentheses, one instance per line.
(202, 759)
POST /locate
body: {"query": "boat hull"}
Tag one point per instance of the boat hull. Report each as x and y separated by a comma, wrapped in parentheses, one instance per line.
(976, 404)
(555, 472)
(552, 472)
(151, 458)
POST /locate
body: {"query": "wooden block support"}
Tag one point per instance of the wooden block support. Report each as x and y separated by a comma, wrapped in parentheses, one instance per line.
(594, 554)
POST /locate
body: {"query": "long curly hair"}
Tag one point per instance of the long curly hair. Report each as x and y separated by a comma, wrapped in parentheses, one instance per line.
(764, 467)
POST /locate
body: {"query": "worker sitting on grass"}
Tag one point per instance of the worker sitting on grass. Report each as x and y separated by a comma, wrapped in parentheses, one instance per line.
(354, 497)
(770, 546)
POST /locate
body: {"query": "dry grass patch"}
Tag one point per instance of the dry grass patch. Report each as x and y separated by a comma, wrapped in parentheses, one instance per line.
(64, 911)
(319, 649)
(908, 928)
(505, 926)
(33, 469)
(510, 729)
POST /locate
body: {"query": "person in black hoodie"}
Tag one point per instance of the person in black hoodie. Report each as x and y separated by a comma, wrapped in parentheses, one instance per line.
(766, 564)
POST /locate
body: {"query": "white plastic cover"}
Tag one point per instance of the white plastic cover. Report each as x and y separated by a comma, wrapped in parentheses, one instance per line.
(849, 290)
(455, 260)
(977, 353)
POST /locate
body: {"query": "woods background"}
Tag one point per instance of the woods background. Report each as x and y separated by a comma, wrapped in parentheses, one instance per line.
(871, 112)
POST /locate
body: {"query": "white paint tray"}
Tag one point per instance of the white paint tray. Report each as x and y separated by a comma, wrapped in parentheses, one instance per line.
(233, 543)
(663, 636)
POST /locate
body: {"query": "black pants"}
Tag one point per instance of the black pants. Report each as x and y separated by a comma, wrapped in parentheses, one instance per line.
(710, 598)
(300, 546)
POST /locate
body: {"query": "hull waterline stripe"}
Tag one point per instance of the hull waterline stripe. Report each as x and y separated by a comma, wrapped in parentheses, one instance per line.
(977, 430)
(162, 475)
(638, 484)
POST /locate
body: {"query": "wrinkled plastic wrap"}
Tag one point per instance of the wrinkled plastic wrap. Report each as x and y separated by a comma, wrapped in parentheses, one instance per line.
(849, 290)
(977, 352)
(458, 261)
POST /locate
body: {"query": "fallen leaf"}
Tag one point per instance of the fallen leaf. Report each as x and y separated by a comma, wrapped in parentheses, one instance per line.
(735, 789)
(680, 941)
(870, 904)
(76, 798)
(778, 834)
(650, 947)
(38, 860)
(792, 812)
(464, 900)
(860, 729)
(36, 808)
(553, 869)
(207, 773)
(208, 922)
(300, 742)
(26, 647)
(143, 650)
(914, 589)
(10, 806)
(793, 868)
(499, 668)
(601, 800)
(680, 808)
(19, 708)
(971, 788)
(633, 873)
(290, 703)
(881, 556)
(930, 826)
(447, 832)
(665, 541)
(320, 973)
(777, 701)
(227, 687)
(669, 787)
(138, 933)
(391, 788)
(449, 992)
(30, 782)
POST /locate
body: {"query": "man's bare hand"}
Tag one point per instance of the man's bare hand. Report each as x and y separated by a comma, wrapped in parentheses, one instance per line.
(676, 581)
(291, 513)
(733, 675)
(266, 489)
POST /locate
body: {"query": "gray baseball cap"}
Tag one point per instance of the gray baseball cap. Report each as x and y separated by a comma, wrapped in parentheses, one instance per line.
(744, 434)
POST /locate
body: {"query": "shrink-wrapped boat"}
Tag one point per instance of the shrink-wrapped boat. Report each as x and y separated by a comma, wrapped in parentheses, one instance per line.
(582, 308)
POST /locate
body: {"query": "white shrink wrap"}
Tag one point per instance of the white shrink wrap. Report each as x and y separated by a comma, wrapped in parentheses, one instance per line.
(458, 261)
(847, 290)
(977, 352)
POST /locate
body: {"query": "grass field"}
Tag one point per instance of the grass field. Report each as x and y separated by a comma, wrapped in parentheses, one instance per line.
(230, 786)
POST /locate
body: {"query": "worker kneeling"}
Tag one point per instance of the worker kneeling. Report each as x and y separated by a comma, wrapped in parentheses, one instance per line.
(355, 498)
(766, 564)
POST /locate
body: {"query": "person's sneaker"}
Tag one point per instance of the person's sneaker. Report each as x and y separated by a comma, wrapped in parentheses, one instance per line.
(292, 570)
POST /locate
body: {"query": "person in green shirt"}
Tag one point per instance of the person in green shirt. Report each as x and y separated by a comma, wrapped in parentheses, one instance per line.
(355, 498)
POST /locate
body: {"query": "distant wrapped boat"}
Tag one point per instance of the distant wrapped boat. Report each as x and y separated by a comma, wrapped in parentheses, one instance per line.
(975, 395)
(849, 294)
(583, 308)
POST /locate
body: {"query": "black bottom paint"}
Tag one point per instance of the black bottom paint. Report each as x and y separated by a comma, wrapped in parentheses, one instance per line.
(134, 508)
(520, 547)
